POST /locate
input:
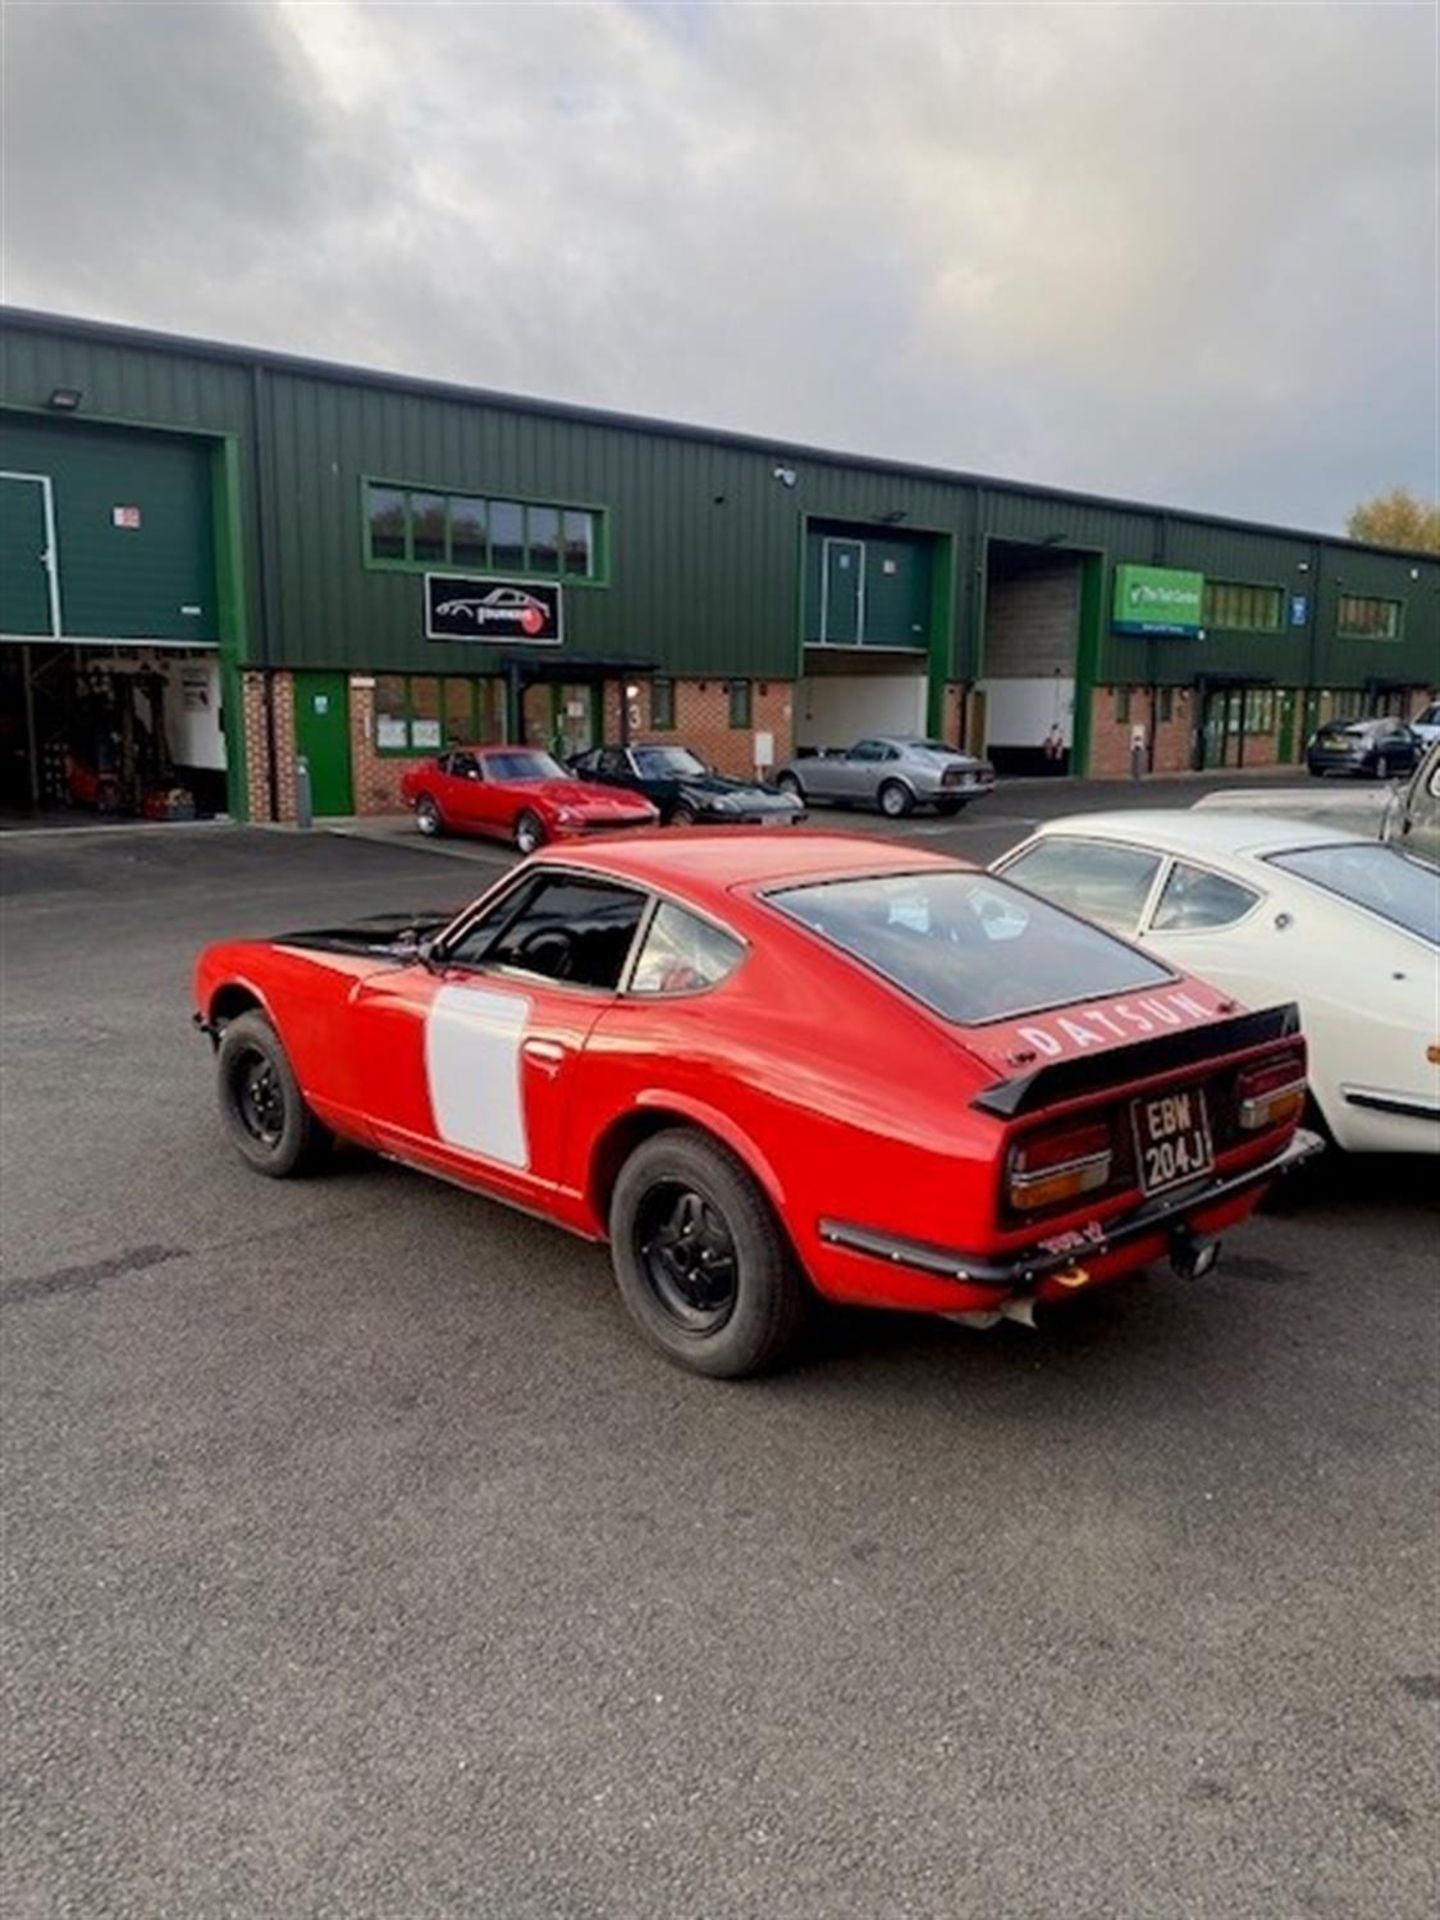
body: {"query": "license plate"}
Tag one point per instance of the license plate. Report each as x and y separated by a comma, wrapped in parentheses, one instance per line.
(1172, 1139)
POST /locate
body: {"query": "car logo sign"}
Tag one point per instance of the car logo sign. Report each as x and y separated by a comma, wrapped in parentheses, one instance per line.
(492, 612)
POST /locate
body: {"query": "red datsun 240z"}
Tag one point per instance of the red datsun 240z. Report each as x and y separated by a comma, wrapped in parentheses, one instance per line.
(763, 1066)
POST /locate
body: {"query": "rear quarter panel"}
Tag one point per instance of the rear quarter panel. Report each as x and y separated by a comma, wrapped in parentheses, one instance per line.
(835, 1093)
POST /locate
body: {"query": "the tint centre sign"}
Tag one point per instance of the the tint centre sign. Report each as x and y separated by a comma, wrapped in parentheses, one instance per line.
(1158, 600)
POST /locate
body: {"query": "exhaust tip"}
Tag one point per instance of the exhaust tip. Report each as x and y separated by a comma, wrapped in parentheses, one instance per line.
(1192, 1257)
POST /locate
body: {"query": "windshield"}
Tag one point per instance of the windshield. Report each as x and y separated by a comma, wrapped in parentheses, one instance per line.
(668, 763)
(971, 947)
(937, 746)
(523, 766)
(1378, 878)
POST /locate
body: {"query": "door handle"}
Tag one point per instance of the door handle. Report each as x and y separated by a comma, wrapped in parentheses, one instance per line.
(548, 1055)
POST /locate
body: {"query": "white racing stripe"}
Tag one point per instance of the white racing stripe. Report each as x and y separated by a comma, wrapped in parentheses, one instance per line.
(472, 1065)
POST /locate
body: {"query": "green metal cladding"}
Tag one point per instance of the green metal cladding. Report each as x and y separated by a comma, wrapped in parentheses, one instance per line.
(707, 543)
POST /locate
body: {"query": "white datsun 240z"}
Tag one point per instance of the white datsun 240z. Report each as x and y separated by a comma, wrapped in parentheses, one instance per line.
(1275, 910)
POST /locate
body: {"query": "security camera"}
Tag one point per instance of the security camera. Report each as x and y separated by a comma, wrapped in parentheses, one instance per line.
(785, 475)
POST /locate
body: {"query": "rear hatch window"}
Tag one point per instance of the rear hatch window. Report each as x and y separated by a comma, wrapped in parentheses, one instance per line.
(1377, 878)
(969, 946)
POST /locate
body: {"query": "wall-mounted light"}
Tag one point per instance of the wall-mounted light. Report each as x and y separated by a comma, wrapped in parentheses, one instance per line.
(65, 399)
(632, 692)
(1302, 566)
(787, 476)
(1414, 573)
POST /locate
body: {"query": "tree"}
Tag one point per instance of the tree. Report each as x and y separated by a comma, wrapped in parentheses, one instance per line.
(1397, 519)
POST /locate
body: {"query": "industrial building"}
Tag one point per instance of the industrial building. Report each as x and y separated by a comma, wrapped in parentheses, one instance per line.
(214, 560)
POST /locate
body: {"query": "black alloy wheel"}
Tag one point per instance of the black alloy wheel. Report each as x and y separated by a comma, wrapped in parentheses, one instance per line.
(700, 1258)
(428, 817)
(259, 1098)
(261, 1103)
(682, 814)
(687, 1254)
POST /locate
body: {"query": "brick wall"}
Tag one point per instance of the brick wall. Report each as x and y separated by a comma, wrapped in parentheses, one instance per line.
(257, 762)
(952, 713)
(702, 721)
(1110, 736)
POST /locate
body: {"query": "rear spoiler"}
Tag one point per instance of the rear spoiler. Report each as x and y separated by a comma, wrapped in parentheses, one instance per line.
(1137, 1060)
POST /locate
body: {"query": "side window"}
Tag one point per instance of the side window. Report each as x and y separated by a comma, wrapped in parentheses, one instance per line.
(613, 764)
(682, 954)
(1106, 883)
(1193, 899)
(578, 931)
(867, 750)
(464, 766)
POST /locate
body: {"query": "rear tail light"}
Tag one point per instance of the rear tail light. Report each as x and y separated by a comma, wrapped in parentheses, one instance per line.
(1049, 1168)
(1271, 1094)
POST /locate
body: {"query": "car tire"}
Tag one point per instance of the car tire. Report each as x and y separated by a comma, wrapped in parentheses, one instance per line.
(682, 815)
(529, 832)
(947, 809)
(261, 1103)
(428, 817)
(700, 1259)
(787, 783)
(896, 800)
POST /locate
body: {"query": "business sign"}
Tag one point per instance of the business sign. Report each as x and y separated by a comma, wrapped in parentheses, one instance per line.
(1158, 600)
(1299, 609)
(494, 612)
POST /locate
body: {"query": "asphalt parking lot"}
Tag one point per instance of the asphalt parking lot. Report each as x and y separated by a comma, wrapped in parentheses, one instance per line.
(359, 1561)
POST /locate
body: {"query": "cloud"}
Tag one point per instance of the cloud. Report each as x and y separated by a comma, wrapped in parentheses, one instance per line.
(1186, 253)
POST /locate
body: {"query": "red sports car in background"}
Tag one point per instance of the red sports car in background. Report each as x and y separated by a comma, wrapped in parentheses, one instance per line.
(763, 1064)
(518, 794)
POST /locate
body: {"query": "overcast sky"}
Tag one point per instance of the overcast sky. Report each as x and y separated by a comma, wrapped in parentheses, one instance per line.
(1178, 251)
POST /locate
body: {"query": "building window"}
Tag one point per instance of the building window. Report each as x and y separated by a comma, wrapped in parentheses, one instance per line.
(1365, 618)
(411, 527)
(421, 713)
(507, 536)
(427, 528)
(739, 703)
(1122, 706)
(1237, 606)
(662, 705)
(386, 508)
(1260, 710)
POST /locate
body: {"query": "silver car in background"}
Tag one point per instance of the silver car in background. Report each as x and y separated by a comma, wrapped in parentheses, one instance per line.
(895, 772)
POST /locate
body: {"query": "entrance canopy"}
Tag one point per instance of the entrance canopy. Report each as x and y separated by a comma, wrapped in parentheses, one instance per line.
(525, 670)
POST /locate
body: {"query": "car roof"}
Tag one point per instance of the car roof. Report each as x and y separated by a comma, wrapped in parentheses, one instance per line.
(710, 862)
(1182, 830)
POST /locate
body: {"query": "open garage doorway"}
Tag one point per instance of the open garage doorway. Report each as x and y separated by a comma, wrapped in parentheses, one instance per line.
(110, 733)
(1029, 655)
